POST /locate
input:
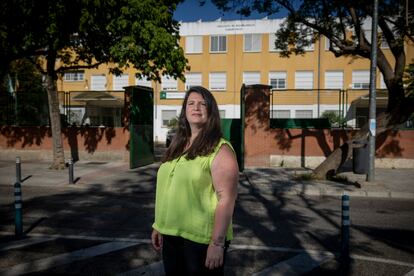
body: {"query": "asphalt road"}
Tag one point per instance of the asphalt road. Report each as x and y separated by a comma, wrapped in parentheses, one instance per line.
(78, 231)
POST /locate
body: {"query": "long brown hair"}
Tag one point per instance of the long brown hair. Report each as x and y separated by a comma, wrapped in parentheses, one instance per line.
(206, 140)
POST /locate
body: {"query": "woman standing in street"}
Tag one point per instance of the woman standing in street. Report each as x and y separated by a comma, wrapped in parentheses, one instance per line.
(196, 191)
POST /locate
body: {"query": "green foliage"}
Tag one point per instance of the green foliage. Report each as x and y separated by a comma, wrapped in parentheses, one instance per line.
(83, 34)
(173, 123)
(334, 118)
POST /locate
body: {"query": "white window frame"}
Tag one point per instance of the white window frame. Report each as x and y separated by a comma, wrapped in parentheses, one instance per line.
(252, 43)
(168, 83)
(143, 81)
(194, 44)
(192, 79)
(219, 43)
(360, 79)
(118, 82)
(251, 77)
(334, 79)
(74, 76)
(172, 113)
(272, 39)
(308, 78)
(303, 111)
(101, 86)
(281, 114)
(278, 76)
(217, 81)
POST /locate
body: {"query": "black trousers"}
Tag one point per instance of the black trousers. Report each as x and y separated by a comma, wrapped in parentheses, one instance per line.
(184, 257)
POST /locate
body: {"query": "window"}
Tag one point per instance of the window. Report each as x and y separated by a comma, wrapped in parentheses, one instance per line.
(167, 116)
(98, 82)
(218, 81)
(142, 81)
(193, 44)
(272, 39)
(75, 76)
(168, 83)
(277, 80)
(119, 82)
(192, 79)
(360, 79)
(222, 114)
(334, 80)
(252, 42)
(218, 43)
(306, 34)
(304, 114)
(327, 42)
(382, 82)
(280, 114)
(303, 80)
(251, 78)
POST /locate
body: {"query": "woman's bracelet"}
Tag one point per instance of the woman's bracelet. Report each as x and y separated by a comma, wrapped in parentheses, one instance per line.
(213, 243)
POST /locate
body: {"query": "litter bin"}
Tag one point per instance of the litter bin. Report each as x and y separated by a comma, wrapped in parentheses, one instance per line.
(360, 156)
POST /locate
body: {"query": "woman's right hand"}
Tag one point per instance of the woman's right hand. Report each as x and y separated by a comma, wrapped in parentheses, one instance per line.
(156, 240)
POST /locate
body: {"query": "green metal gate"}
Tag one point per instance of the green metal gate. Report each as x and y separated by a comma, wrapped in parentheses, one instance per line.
(233, 131)
(141, 126)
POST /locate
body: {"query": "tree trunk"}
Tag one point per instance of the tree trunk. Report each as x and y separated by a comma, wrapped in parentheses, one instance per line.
(58, 162)
(339, 156)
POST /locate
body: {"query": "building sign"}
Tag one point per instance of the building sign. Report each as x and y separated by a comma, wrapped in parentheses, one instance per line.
(171, 95)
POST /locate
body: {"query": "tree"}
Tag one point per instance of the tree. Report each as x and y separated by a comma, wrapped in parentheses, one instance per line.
(342, 22)
(63, 35)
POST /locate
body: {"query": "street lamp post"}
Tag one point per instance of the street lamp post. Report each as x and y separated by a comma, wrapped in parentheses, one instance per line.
(372, 94)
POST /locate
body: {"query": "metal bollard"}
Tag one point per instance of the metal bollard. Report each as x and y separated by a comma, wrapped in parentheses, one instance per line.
(70, 171)
(345, 227)
(18, 169)
(18, 218)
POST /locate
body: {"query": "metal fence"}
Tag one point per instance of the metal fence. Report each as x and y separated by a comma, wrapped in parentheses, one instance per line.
(92, 108)
(343, 108)
(23, 108)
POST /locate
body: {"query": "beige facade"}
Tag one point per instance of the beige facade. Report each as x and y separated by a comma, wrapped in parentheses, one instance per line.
(225, 54)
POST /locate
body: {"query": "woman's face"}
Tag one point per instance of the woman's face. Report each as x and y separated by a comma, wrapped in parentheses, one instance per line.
(196, 110)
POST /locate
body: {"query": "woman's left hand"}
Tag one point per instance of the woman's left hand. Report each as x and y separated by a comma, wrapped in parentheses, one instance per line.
(214, 256)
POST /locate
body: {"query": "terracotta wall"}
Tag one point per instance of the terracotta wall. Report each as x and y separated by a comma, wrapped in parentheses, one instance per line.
(78, 141)
(261, 141)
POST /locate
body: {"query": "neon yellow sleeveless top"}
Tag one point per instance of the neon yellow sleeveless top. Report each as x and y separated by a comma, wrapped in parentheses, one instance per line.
(185, 200)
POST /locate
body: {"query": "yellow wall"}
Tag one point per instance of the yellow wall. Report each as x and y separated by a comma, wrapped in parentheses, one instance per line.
(235, 61)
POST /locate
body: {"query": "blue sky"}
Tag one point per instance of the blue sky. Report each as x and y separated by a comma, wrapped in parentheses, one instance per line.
(190, 11)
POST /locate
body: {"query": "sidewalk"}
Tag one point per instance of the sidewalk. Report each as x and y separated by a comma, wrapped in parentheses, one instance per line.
(389, 183)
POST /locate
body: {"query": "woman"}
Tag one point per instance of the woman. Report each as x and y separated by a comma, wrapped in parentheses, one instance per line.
(196, 191)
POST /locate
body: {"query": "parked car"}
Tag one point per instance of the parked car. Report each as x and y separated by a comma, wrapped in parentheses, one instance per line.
(170, 135)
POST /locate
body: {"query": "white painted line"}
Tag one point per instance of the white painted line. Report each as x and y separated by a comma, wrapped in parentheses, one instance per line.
(47, 263)
(411, 273)
(297, 265)
(381, 260)
(154, 269)
(23, 243)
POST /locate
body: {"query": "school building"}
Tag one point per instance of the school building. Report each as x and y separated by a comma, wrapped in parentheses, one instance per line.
(223, 55)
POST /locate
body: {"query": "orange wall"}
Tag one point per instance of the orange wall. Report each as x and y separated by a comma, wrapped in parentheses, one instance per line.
(261, 141)
(84, 139)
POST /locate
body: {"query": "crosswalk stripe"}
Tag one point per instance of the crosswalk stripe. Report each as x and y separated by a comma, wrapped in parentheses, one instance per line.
(154, 269)
(23, 243)
(297, 265)
(47, 263)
